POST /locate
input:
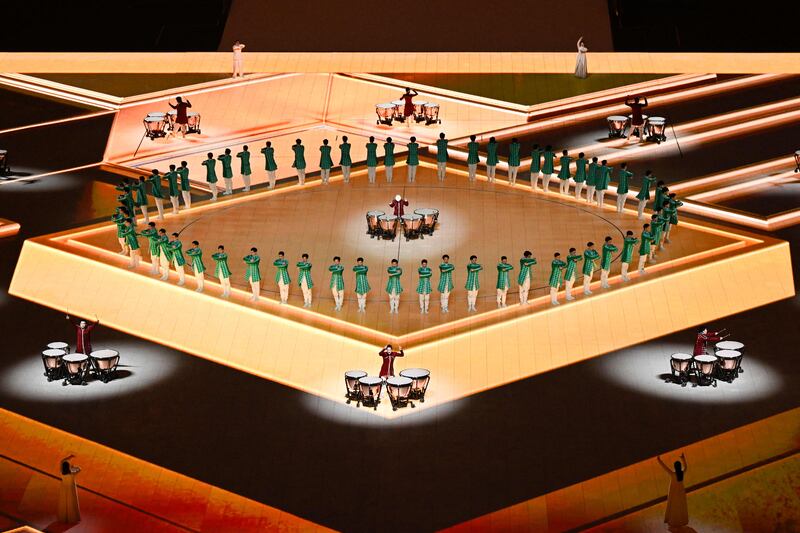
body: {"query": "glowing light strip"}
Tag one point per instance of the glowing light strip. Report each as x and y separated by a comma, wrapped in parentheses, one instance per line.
(740, 187)
(54, 122)
(57, 94)
(696, 183)
(217, 83)
(37, 176)
(38, 81)
(8, 227)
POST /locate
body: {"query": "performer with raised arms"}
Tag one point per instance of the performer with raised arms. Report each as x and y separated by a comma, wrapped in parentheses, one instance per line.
(154, 246)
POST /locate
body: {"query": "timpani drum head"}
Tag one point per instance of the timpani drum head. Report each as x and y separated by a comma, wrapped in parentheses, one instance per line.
(728, 354)
(729, 345)
(400, 386)
(53, 352)
(705, 363)
(657, 120)
(415, 373)
(370, 380)
(728, 359)
(398, 102)
(104, 354)
(58, 346)
(75, 358)
(355, 374)
(153, 120)
(370, 385)
(172, 113)
(426, 211)
(617, 118)
(375, 214)
(398, 381)
(157, 115)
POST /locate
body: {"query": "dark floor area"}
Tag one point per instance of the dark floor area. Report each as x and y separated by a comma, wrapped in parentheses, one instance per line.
(767, 201)
(19, 108)
(130, 84)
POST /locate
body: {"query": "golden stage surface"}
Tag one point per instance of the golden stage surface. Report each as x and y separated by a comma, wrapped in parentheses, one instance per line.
(704, 274)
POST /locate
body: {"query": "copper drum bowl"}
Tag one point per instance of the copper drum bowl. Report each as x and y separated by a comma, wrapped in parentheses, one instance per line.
(656, 129)
(706, 365)
(412, 223)
(76, 365)
(370, 389)
(729, 363)
(385, 113)
(732, 345)
(193, 120)
(104, 363)
(53, 363)
(431, 112)
(429, 218)
(387, 222)
(351, 378)
(399, 109)
(616, 125)
(419, 112)
(154, 127)
(399, 391)
(372, 222)
(680, 363)
(420, 378)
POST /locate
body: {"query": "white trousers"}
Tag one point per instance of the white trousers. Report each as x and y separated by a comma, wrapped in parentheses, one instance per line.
(371, 174)
(501, 297)
(181, 273)
(325, 174)
(472, 170)
(136, 256)
(187, 199)
(362, 301)
(563, 187)
(346, 173)
(444, 300)
(490, 169)
(123, 246)
(640, 208)
(601, 194)
(301, 176)
(255, 286)
(590, 193)
(226, 286)
(228, 185)
(604, 279)
(394, 302)
(213, 192)
(546, 182)
(412, 173)
(389, 173)
(200, 278)
(246, 180)
(306, 292)
(338, 297)
(568, 287)
(441, 169)
(472, 298)
(553, 296)
(512, 174)
(424, 302)
(535, 179)
(642, 260)
(238, 70)
(624, 271)
(283, 289)
(175, 206)
(160, 207)
(271, 178)
(145, 214)
(164, 264)
(154, 261)
(621, 198)
(587, 280)
(579, 189)
(524, 289)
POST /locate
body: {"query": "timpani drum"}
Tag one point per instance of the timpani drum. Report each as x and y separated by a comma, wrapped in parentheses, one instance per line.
(192, 122)
(728, 361)
(419, 113)
(370, 390)
(732, 345)
(411, 225)
(104, 363)
(656, 129)
(431, 113)
(681, 365)
(58, 345)
(76, 365)
(706, 366)
(616, 125)
(388, 225)
(53, 360)
(351, 378)
(420, 378)
(154, 127)
(399, 110)
(399, 391)
(429, 218)
(385, 113)
(373, 226)
(643, 128)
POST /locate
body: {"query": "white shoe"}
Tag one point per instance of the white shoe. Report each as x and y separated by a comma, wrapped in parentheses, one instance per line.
(570, 298)
(587, 292)
(641, 271)
(181, 283)
(554, 302)
(199, 289)
(625, 278)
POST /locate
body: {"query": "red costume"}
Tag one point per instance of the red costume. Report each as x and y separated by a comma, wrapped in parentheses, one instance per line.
(180, 108)
(703, 339)
(408, 108)
(398, 207)
(387, 368)
(83, 342)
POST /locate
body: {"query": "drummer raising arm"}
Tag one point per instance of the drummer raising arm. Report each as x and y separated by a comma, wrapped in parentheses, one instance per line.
(704, 336)
(637, 119)
(388, 355)
(83, 330)
(181, 115)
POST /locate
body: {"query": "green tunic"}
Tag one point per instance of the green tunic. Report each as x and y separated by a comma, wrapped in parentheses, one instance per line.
(580, 170)
(657, 228)
(413, 154)
(513, 154)
(608, 252)
(658, 202)
(155, 187)
(337, 280)
(555, 274)
(126, 199)
(393, 285)
(536, 160)
(589, 258)
(424, 285)
(227, 170)
(646, 241)
(388, 154)
(183, 172)
(572, 266)
(282, 272)
(563, 172)
(129, 234)
(119, 220)
(299, 156)
(362, 284)
(623, 177)
(472, 153)
(549, 157)
(591, 175)
(165, 248)
(141, 193)
(344, 157)
(177, 252)
(666, 217)
(446, 277)
(304, 273)
(211, 171)
(172, 180)
(325, 161)
(502, 275)
(525, 265)
(269, 158)
(244, 163)
(153, 239)
(627, 249)
(252, 271)
(196, 255)
(644, 192)
(491, 154)
(221, 270)
(441, 150)
(673, 211)
(603, 177)
(473, 283)
(372, 155)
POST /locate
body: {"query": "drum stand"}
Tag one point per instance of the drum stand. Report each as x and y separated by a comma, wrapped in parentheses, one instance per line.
(76, 379)
(681, 378)
(53, 373)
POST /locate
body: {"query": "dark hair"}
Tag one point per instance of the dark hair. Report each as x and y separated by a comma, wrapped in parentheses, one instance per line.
(424, 261)
(608, 238)
(151, 224)
(360, 259)
(441, 135)
(210, 155)
(413, 139)
(548, 147)
(629, 232)
(701, 329)
(604, 162)
(281, 253)
(556, 254)
(141, 178)
(394, 261)
(445, 256)
(297, 141)
(344, 138)
(659, 183)
(304, 256)
(172, 167)
(564, 152)
(337, 258)
(645, 226)
(535, 146)
(492, 140)
(514, 140)
(679, 470)
(648, 172)
(244, 148)
(227, 150)
(388, 139)
(473, 257)
(527, 253)
(624, 165)
(162, 230)
(174, 234)
(594, 159)
(590, 243)
(581, 154)
(65, 468)
(220, 247)
(253, 249)
(196, 243)
(325, 141)
(371, 139)
(503, 257)
(572, 250)
(472, 137)
(269, 143)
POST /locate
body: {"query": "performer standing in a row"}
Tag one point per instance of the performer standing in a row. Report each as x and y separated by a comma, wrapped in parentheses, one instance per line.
(445, 282)
(590, 255)
(605, 262)
(325, 162)
(362, 284)
(186, 186)
(473, 284)
(304, 279)
(503, 283)
(557, 267)
(536, 166)
(580, 175)
(178, 261)
(140, 188)
(513, 161)
(591, 181)
(195, 253)
(412, 161)
(174, 191)
(525, 275)
(227, 171)
(622, 186)
(602, 179)
(547, 168)
(644, 192)
(372, 159)
(165, 253)
(299, 162)
(388, 159)
(118, 218)
(441, 157)
(337, 282)
(244, 166)
(282, 276)
(571, 272)
(211, 176)
(269, 163)
(645, 242)
(252, 272)
(157, 192)
(222, 271)
(563, 173)
(472, 158)
(129, 234)
(627, 254)
(151, 233)
(424, 286)
(344, 159)
(491, 159)
(393, 286)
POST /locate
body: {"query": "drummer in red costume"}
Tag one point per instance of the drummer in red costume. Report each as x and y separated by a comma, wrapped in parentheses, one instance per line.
(704, 337)
(181, 114)
(398, 204)
(388, 355)
(408, 108)
(83, 333)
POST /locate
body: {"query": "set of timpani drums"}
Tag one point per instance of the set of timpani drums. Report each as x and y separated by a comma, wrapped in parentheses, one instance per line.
(426, 112)
(724, 364)
(653, 130)
(75, 368)
(416, 225)
(366, 390)
(158, 124)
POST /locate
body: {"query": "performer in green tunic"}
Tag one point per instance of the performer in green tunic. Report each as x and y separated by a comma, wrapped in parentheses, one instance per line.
(195, 253)
(244, 166)
(525, 277)
(211, 175)
(473, 284)
(252, 272)
(503, 282)
(157, 192)
(472, 158)
(591, 180)
(580, 175)
(140, 188)
(269, 163)
(623, 177)
(344, 159)
(445, 282)
(178, 261)
(186, 186)
(571, 272)
(660, 193)
(590, 255)
(609, 249)
(126, 198)
(644, 246)
(154, 246)
(118, 218)
(282, 276)
(227, 171)
(174, 191)
(412, 162)
(304, 279)
(671, 211)
(441, 157)
(222, 271)
(644, 192)
(547, 167)
(491, 159)
(536, 166)
(362, 284)
(563, 172)
(388, 159)
(557, 267)
(337, 282)
(129, 234)
(393, 286)
(513, 160)
(657, 230)
(602, 181)
(627, 253)
(372, 159)
(165, 254)
(299, 162)
(325, 162)
(424, 286)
